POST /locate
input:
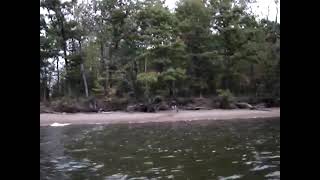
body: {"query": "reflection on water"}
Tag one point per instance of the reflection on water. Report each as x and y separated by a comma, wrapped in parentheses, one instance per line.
(222, 150)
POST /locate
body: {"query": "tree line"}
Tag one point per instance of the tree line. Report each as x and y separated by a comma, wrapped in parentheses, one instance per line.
(140, 49)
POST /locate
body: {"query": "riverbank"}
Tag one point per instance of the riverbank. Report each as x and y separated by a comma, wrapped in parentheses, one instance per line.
(163, 116)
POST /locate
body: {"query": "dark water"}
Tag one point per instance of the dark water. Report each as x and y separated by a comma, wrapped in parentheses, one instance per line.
(247, 150)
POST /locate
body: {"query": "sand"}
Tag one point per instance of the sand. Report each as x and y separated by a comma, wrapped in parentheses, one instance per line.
(162, 116)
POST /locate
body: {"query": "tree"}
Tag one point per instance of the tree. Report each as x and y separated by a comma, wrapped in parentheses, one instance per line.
(147, 80)
(134, 50)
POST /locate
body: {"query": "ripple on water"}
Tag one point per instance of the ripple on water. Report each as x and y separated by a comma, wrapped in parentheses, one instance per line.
(59, 124)
(236, 176)
(260, 141)
(96, 167)
(118, 176)
(259, 168)
(270, 157)
(275, 174)
(153, 170)
(228, 149)
(138, 178)
(79, 150)
(276, 162)
(166, 157)
(175, 170)
(127, 157)
(179, 166)
(252, 162)
(99, 166)
(265, 153)
(170, 176)
(148, 163)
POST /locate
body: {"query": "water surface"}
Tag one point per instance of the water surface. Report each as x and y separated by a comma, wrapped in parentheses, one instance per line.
(246, 149)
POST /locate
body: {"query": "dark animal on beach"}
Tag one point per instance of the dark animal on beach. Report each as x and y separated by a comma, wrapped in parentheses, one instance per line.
(174, 106)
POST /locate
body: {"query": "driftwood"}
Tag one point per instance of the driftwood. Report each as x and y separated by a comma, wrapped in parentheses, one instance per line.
(243, 105)
(195, 108)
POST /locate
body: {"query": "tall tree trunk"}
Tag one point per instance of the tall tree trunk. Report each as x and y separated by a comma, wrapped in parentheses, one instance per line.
(145, 64)
(110, 68)
(58, 76)
(60, 19)
(107, 55)
(102, 54)
(48, 86)
(45, 85)
(252, 82)
(64, 45)
(174, 89)
(84, 78)
(44, 89)
(44, 97)
(102, 62)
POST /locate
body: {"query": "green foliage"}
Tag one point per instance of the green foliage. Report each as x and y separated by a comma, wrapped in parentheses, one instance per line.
(225, 97)
(143, 49)
(172, 74)
(148, 78)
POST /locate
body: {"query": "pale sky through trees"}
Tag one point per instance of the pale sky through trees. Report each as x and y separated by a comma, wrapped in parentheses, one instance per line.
(260, 8)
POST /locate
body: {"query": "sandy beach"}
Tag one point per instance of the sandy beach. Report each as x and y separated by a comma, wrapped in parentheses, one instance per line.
(164, 116)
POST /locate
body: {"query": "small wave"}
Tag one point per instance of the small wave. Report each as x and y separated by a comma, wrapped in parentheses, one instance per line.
(79, 150)
(175, 170)
(251, 162)
(259, 168)
(265, 153)
(118, 176)
(270, 157)
(127, 157)
(274, 174)
(95, 168)
(99, 166)
(170, 156)
(170, 177)
(153, 170)
(59, 124)
(138, 178)
(148, 163)
(236, 176)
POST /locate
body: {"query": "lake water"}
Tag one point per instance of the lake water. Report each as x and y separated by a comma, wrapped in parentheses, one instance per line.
(222, 150)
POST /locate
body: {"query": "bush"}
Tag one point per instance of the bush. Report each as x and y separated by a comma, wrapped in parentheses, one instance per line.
(225, 98)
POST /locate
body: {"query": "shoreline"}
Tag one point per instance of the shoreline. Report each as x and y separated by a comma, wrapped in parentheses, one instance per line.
(47, 119)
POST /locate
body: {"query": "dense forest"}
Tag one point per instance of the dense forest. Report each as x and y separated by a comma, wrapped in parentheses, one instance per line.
(130, 51)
